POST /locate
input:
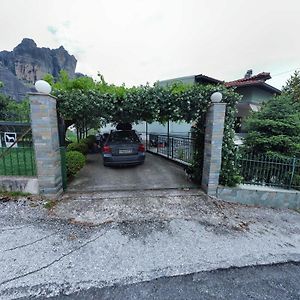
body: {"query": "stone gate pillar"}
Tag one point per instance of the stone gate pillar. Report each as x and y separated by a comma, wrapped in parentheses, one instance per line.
(212, 160)
(46, 143)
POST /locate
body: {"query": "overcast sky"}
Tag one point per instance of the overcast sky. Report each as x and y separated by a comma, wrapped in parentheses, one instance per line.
(139, 41)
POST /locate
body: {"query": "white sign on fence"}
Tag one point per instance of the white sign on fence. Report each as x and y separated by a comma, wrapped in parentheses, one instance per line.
(10, 138)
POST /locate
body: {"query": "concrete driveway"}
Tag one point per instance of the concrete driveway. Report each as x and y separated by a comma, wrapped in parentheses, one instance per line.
(155, 173)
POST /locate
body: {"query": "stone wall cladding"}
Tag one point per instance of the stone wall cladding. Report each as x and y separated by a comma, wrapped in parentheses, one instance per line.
(275, 199)
(46, 143)
(213, 147)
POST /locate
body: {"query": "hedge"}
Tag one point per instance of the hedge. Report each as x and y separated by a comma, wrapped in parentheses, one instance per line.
(81, 147)
(89, 141)
(74, 161)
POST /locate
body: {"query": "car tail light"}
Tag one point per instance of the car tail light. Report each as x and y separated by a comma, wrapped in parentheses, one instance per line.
(106, 149)
(141, 148)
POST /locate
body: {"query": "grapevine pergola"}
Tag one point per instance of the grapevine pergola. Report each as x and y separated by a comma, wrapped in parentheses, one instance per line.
(87, 104)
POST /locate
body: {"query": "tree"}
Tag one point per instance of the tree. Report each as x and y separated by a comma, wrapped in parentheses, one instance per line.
(77, 103)
(292, 87)
(275, 129)
(12, 110)
(4, 100)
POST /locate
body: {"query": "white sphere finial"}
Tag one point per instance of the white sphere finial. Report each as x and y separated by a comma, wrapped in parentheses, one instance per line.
(43, 86)
(216, 97)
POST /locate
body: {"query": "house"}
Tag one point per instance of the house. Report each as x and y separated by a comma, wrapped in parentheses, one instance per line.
(254, 91)
(178, 128)
(200, 79)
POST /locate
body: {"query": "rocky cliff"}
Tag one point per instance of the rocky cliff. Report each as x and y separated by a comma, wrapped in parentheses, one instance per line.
(27, 63)
(13, 87)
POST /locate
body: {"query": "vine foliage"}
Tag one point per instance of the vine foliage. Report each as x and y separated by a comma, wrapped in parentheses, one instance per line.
(88, 103)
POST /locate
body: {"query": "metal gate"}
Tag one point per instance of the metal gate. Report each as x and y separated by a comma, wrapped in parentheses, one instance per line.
(62, 149)
(17, 156)
(177, 148)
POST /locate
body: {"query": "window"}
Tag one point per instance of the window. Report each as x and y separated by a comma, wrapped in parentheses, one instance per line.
(124, 137)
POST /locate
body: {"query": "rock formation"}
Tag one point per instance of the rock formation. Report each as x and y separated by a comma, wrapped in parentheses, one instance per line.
(13, 87)
(27, 63)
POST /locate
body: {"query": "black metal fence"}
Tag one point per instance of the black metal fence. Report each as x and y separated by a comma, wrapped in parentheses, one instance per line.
(269, 171)
(177, 148)
(16, 149)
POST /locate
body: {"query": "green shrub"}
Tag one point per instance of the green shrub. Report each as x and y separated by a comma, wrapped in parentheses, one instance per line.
(90, 141)
(74, 161)
(80, 147)
(92, 138)
(296, 181)
(85, 141)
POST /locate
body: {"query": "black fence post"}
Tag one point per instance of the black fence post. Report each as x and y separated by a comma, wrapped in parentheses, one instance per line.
(293, 172)
(168, 140)
(61, 130)
(146, 136)
(172, 147)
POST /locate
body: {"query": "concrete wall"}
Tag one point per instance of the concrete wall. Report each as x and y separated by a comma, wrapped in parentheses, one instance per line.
(251, 95)
(254, 95)
(19, 184)
(259, 95)
(261, 196)
(185, 80)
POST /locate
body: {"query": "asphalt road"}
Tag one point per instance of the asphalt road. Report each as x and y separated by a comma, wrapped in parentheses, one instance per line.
(155, 173)
(102, 239)
(281, 281)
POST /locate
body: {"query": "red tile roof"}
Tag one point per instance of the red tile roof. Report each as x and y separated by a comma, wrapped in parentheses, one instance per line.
(256, 80)
(253, 80)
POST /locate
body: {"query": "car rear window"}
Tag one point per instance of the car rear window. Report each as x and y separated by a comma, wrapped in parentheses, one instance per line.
(123, 137)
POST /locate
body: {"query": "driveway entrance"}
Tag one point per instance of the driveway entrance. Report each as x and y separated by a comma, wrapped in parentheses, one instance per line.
(155, 173)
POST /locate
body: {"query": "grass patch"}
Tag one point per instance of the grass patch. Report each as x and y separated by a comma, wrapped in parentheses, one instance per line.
(71, 136)
(14, 194)
(50, 204)
(18, 161)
